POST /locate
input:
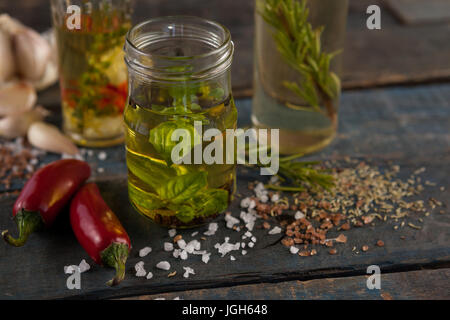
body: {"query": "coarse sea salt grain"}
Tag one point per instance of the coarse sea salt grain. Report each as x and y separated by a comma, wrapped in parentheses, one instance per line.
(299, 215)
(144, 251)
(245, 203)
(140, 271)
(275, 230)
(227, 247)
(176, 253)
(231, 221)
(251, 244)
(294, 250)
(232, 258)
(243, 244)
(84, 266)
(102, 156)
(212, 229)
(181, 244)
(253, 239)
(149, 275)
(206, 257)
(275, 197)
(168, 246)
(249, 219)
(172, 233)
(188, 271)
(183, 255)
(244, 252)
(163, 265)
(194, 234)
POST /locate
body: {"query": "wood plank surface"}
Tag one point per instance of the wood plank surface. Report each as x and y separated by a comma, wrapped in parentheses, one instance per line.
(397, 54)
(405, 126)
(421, 12)
(413, 285)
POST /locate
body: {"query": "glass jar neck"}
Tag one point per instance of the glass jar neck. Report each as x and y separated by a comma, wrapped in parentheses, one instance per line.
(179, 48)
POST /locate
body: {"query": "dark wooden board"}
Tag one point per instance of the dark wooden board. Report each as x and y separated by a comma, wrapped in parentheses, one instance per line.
(421, 12)
(397, 54)
(413, 285)
(409, 126)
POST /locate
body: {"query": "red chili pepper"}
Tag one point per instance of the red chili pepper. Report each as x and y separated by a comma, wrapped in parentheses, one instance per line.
(99, 231)
(45, 195)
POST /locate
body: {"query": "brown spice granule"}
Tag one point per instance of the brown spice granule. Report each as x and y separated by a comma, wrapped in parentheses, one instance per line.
(365, 248)
(345, 226)
(288, 242)
(341, 238)
(173, 274)
(304, 253)
(266, 225)
(177, 238)
(380, 243)
(332, 251)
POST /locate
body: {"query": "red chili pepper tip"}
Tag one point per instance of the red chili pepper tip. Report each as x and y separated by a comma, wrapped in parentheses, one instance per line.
(27, 223)
(115, 256)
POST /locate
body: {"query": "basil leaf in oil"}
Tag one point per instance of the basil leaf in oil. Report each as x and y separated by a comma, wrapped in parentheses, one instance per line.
(161, 138)
(182, 188)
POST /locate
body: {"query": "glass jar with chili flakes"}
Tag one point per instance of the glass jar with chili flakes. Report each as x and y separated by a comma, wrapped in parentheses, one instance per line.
(93, 75)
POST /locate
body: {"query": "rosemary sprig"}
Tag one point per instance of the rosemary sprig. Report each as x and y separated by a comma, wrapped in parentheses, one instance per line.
(300, 45)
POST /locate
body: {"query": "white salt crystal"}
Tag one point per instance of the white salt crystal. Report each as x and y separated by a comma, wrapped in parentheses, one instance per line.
(140, 271)
(176, 253)
(100, 170)
(183, 255)
(244, 252)
(102, 156)
(212, 228)
(264, 198)
(144, 251)
(168, 246)
(84, 266)
(232, 258)
(163, 265)
(251, 244)
(231, 221)
(275, 230)
(172, 233)
(199, 252)
(188, 272)
(253, 239)
(294, 250)
(149, 275)
(194, 234)
(299, 215)
(206, 257)
(227, 247)
(245, 203)
(275, 197)
(243, 244)
(181, 244)
(249, 219)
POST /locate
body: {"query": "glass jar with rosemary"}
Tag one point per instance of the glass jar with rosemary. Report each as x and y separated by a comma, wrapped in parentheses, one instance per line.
(298, 53)
(90, 35)
(179, 73)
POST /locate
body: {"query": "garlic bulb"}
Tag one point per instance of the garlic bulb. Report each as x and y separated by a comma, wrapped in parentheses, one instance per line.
(7, 64)
(49, 78)
(48, 137)
(32, 54)
(17, 125)
(16, 98)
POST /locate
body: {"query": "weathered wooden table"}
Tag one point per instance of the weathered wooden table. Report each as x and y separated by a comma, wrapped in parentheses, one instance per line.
(408, 126)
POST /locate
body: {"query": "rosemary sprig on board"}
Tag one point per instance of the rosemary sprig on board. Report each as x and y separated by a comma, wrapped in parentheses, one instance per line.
(300, 46)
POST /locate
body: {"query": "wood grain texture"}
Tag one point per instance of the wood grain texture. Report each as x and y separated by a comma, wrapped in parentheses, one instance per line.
(406, 126)
(414, 285)
(397, 54)
(420, 12)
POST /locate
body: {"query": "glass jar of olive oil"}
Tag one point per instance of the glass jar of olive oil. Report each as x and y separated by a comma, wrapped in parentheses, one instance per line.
(179, 78)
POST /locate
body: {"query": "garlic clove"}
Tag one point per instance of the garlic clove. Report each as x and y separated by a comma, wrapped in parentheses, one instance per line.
(7, 64)
(33, 53)
(17, 97)
(49, 78)
(17, 125)
(10, 25)
(48, 137)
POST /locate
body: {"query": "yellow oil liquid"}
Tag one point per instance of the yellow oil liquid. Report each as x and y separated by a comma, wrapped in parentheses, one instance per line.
(149, 171)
